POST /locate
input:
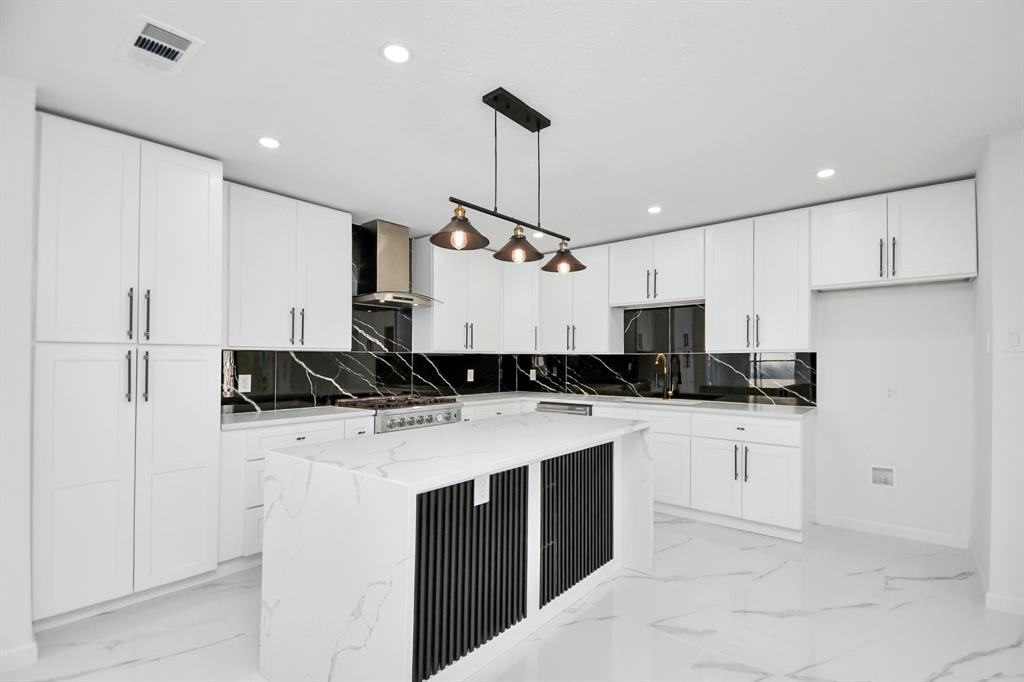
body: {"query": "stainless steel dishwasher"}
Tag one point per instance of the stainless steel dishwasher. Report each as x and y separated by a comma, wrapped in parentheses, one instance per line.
(565, 408)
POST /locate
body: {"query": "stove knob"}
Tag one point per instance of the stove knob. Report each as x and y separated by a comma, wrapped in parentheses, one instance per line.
(430, 418)
(401, 422)
(419, 419)
(391, 423)
(447, 416)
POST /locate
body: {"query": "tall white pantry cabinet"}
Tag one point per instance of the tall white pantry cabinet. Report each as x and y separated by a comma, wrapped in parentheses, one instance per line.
(128, 327)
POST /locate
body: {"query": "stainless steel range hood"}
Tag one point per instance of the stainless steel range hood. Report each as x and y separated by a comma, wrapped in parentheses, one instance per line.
(381, 266)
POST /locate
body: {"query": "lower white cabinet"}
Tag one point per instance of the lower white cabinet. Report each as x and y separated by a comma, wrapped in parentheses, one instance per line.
(671, 454)
(715, 477)
(124, 470)
(493, 410)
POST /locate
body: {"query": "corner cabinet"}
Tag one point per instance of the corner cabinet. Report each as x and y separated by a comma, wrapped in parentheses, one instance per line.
(130, 239)
(574, 313)
(758, 296)
(284, 287)
(466, 317)
(658, 270)
(926, 234)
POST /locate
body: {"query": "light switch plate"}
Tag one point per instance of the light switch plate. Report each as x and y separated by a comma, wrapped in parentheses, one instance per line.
(481, 490)
(469, 374)
(533, 375)
(244, 383)
(1015, 341)
(883, 476)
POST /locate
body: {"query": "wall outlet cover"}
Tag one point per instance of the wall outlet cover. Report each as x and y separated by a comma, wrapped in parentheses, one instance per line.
(470, 374)
(533, 375)
(244, 383)
(883, 476)
(481, 490)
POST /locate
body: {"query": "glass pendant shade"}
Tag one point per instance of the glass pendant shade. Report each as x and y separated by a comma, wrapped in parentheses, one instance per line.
(518, 250)
(563, 261)
(459, 234)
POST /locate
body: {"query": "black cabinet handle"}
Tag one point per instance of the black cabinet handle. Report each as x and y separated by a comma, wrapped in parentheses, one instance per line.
(746, 464)
(302, 327)
(465, 335)
(128, 395)
(149, 306)
(648, 284)
(655, 284)
(894, 256)
(535, 337)
(757, 331)
(291, 339)
(472, 335)
(131, 312)
(748, 331)
(735, 462)
(567, 347)
(574, 337)
(145, 384)
(881, 258)
(300, 438)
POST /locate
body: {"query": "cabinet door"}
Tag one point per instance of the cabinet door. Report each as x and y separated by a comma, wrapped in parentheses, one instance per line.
(483, 301)
(715, 484)
(325, 298)
(771, 484)
(678, 266)
(630, 271)
(448, 315)
(782, 290)
(932, 232)
(671, 468)
(82, 474)
(263, 269)
(88, 234)
(729, 304)
(554, 325)
(591, 316)
(519, 284)
(181, 244)
(848, 243)
(176, 464)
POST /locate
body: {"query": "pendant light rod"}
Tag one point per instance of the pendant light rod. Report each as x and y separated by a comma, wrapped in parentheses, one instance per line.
(507, 218)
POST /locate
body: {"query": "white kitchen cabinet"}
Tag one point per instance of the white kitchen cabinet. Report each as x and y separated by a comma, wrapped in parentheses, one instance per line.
(180, 248)
(324, 298)
(488, 410)
(88, 259)
(729, 305)
(715, 476)
(283, 288)
(661, 269)
(771, 484)
(575, 316)
(554, 327)
(520, 308)
(467, 286)
(176, 464)
(82, 475)
(671, 454)
(924, 234)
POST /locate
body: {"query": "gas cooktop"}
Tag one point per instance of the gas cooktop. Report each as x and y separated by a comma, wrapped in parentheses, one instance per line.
(400, 412)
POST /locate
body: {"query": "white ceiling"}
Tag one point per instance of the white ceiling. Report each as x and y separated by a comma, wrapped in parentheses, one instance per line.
(711, 110)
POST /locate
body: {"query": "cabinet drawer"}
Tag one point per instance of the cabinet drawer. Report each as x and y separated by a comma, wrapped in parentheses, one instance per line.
(260, 441)
(747, 429)
(252, 531)
(358, 427)
(666, 421)
(495, 410)
(254, 482)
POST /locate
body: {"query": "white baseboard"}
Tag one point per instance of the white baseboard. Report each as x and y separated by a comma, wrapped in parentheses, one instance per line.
(730, 522)
(906, 532)
(225, 569)
(1004, 602)
(17, 657)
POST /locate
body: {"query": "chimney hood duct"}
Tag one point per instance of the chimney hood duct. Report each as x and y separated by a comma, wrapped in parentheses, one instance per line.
(381, 257)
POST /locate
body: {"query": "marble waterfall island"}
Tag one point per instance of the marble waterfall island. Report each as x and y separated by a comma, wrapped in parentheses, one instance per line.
(425, 554)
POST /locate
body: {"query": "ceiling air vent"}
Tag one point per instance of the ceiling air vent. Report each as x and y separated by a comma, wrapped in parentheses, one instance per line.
(159, 47)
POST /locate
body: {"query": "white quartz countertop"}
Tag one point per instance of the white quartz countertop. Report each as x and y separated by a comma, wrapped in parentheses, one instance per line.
(248, 420)
(760, 410)
(423, 459)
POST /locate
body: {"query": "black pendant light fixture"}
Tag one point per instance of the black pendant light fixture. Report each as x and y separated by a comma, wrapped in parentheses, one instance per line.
(461, 235)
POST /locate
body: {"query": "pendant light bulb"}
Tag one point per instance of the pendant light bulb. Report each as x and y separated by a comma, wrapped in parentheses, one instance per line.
(459, 234)
(459, 239)
(518, 256)
(563, 261)
(563, 267)
(518, 250)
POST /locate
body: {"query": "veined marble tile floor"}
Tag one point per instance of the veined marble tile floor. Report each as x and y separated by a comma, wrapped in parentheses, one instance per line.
(722, 605)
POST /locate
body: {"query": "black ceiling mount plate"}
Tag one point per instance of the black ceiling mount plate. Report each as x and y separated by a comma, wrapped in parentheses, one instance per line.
(507, 104)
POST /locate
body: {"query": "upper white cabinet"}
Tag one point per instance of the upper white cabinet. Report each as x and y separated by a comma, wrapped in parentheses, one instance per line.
(657, 270)
(519, 308)
(575, 316)
(758, 297)
(283, 274)
(130, 238)
(467, 313)
(916, 235)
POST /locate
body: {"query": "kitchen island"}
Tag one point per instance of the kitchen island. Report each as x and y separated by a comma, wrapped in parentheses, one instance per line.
(426, 553)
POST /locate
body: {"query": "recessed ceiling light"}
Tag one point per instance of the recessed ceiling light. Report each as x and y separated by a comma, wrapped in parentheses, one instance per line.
(269, 143)
(654, 209)
(538, 235)
(826, 172)
(396, 54)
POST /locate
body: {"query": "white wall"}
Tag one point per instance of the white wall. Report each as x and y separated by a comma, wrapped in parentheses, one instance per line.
(17, 256)
(917, 340)
(999, 540)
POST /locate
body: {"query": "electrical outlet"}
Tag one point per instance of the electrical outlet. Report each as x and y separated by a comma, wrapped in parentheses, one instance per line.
(244, 383)
(883, 476)
(469, 374)
(890, 393)
(1015, 341)
(533, 375)
(481, 490)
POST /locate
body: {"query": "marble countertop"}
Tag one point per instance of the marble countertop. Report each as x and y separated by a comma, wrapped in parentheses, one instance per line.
(248, 420)
(423, 459)
(760, 410)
